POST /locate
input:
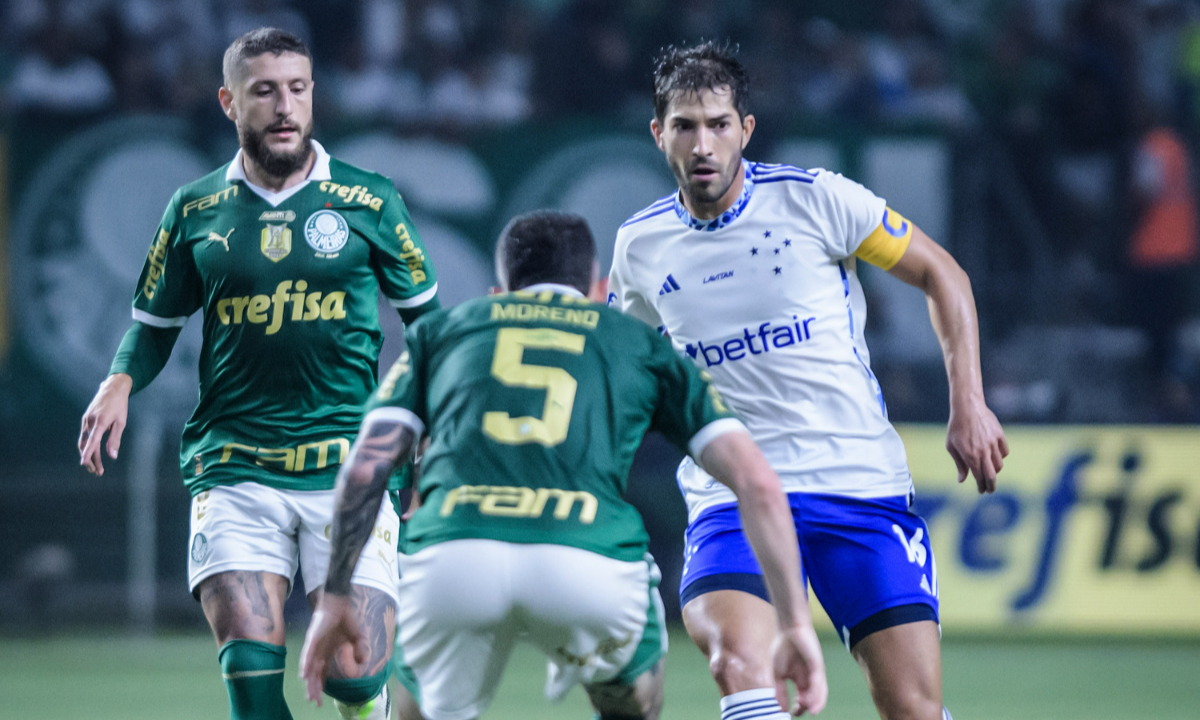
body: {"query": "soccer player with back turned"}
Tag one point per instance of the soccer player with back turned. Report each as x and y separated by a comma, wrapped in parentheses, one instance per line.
(285, 250)
(535, 402)
(750, 268)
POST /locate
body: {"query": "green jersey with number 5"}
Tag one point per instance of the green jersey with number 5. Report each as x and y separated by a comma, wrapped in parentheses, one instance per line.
(535, 403)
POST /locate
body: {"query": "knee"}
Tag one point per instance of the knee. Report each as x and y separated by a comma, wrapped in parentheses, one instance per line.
(910, 706)
(739, 666)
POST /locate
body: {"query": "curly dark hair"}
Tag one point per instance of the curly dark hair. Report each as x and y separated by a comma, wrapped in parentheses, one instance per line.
(707, 66)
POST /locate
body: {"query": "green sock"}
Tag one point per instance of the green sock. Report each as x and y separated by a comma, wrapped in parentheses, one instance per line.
(253, 672)
(357, 691)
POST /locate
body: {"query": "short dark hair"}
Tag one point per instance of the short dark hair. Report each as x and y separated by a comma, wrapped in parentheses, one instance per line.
(707, 66)
(259, 42)
(547, 246)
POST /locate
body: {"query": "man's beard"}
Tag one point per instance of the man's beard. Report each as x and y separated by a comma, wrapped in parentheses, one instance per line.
(707, 195)
(275, 164)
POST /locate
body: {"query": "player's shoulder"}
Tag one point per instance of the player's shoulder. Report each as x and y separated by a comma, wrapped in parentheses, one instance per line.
(787, 175)
(203, 187)
(655, 209)
(350, 182)
(657, 216)
(800, 182)
(815, 191)
(202, 193)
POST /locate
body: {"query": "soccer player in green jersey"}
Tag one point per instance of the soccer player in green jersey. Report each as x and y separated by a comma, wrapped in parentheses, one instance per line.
(534, 403)
(285, 250)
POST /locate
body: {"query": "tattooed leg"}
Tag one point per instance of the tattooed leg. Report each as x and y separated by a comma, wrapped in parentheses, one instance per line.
(245, 605)
(642, 700)
(375, 612)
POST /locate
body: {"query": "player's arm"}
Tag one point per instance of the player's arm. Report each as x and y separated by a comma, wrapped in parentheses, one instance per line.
(406, 275)
(734, 460)
(692, 414)
(623, 294)
(388, 436)
(167, 294)
(974, 438)
(383, 443)
(141, 357)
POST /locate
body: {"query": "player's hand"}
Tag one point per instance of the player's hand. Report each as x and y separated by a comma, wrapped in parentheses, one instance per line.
(797, 657)
(333, 625)
(107, 413)
(976, 441)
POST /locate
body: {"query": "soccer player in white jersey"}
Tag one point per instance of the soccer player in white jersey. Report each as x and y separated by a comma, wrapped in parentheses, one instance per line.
(751, 270)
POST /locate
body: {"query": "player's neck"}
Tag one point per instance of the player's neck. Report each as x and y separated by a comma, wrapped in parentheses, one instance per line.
(255, 174)
(708, 211)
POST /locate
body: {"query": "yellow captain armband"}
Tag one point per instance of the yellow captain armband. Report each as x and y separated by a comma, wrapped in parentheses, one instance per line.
(885, 246)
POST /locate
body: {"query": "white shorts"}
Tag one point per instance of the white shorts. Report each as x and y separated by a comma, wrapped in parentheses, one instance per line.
(253, 527)
(464, 604)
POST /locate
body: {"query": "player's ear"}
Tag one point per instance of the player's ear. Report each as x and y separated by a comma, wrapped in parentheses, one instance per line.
(656, 131)
(225, 97)
(747, 129)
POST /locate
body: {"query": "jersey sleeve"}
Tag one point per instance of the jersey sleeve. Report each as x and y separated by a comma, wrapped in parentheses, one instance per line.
(625, 296)
(690, 412)
(886, 244)
(405, 273)
(400, 396)
(848, 211)
(169, 288)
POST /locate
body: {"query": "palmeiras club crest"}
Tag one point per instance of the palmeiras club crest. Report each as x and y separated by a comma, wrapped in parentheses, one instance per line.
(326, 231)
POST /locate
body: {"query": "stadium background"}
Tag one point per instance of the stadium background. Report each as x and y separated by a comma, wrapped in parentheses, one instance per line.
(1009, 130)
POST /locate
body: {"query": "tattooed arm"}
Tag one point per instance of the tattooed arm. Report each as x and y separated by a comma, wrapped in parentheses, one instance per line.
(361, 483)
(360, 487)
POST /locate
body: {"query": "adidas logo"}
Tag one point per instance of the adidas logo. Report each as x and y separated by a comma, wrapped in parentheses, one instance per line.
(669, 286)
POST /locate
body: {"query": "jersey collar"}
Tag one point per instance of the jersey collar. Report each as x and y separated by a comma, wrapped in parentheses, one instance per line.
(553, 287)
(320, 171)
(724, 218)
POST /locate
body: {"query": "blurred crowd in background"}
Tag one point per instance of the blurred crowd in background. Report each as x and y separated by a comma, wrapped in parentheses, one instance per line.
(1090, 107)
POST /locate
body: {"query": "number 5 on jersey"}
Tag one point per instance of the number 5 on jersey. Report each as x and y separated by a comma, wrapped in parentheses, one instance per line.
(507, 367)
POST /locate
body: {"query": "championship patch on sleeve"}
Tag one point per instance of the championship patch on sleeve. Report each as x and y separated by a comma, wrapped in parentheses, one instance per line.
(886, 245)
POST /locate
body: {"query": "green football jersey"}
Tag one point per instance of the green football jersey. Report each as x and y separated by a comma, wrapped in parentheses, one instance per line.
(535, 403)
(291, 336)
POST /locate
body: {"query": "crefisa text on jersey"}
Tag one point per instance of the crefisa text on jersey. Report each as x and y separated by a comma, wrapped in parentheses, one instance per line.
(766, 334)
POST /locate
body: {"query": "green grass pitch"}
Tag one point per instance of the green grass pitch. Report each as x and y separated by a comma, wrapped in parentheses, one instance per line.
(178, 677)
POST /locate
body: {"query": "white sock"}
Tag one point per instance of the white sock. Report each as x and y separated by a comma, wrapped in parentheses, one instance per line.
(756, 704)
(946, 714)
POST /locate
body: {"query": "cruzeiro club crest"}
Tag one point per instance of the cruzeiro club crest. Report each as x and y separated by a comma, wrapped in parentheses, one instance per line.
(326, 231)
(276, 242)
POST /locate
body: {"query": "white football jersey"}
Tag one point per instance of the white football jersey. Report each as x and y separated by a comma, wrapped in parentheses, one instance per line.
(766, 299)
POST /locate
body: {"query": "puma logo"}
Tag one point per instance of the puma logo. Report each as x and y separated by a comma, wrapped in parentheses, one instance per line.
(214, 237)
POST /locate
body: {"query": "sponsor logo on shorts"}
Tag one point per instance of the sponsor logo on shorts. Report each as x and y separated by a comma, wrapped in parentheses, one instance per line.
(199, 548)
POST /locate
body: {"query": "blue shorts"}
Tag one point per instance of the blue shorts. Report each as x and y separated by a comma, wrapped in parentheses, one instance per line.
(869, 560)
